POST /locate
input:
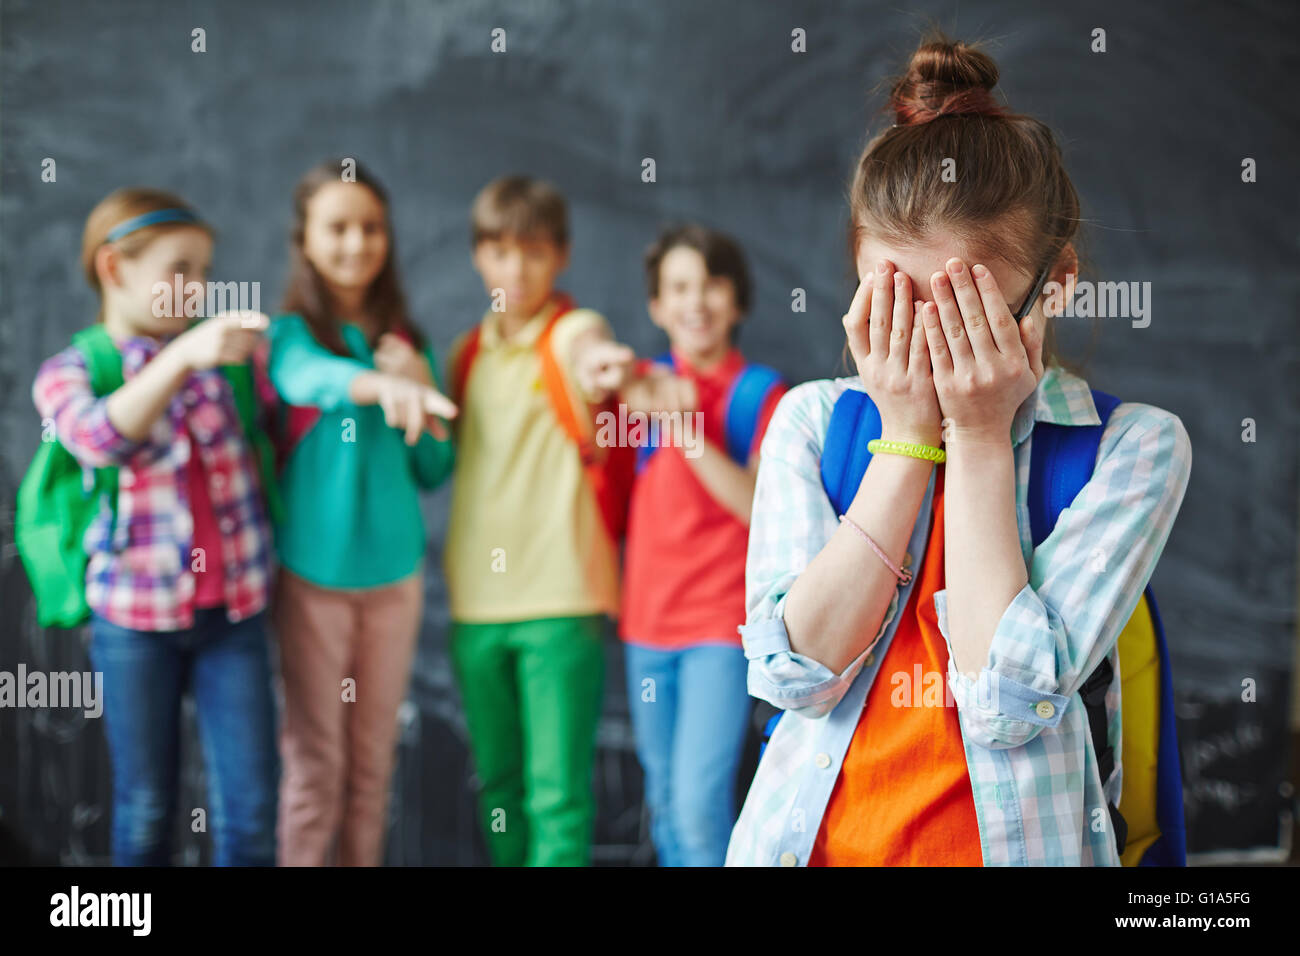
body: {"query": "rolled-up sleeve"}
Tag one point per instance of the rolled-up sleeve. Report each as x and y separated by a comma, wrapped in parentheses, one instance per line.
(62, 394)
(1085, 579)
(793, 681)
(791, 522)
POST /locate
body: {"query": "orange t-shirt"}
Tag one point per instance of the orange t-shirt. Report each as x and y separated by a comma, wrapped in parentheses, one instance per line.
(903, 796)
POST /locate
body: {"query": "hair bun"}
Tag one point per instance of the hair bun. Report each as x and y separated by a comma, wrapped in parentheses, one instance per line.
(945, 79)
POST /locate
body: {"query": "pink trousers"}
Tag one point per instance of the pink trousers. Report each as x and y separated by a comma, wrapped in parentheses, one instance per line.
(345, 657)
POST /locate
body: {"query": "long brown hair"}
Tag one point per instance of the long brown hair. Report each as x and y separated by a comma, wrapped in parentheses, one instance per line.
(119, 206)
(306, 293)
(1010, 173)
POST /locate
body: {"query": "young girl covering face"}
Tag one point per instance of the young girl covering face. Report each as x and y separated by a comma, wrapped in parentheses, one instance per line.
(930, 571)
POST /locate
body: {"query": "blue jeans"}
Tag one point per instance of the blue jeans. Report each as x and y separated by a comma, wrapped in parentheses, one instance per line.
(227, 667)
(690, 736)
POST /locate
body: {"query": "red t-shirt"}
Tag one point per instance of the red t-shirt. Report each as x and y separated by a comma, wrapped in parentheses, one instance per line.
(684, 565)
(209, 585)
(903, 796)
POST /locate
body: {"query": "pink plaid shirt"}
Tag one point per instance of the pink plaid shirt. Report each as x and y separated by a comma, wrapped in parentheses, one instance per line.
(142, 578)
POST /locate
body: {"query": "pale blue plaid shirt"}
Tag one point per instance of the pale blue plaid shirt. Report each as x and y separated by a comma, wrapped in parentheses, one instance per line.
(1039, 799)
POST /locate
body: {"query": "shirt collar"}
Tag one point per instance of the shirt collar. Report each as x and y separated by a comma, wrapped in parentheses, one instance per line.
(1061, 398)
(526, 337)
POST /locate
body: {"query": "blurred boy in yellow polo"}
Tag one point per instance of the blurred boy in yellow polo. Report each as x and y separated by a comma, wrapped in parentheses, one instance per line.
(531, 566)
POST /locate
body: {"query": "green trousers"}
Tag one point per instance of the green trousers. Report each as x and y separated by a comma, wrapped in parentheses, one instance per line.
(532, 697)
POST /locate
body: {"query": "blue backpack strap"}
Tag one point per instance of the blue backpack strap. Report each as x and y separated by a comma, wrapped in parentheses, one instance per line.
(769, 729)
(745, 402)
(644, 452)
(854, 422)
(1061, 463)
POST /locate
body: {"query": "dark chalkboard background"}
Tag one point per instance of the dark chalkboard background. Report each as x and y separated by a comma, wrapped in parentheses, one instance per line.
(747, 136)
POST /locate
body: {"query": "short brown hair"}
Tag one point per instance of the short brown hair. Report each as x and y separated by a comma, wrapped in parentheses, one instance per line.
(722, 257)
(519, 206)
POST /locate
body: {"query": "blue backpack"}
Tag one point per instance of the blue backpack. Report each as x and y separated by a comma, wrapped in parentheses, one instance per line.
(744, 403)
(1152, 831)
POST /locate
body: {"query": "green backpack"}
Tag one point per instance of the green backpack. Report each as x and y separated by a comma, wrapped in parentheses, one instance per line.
(58, 499)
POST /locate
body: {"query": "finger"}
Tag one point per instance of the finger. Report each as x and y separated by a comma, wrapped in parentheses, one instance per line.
(901, 333)
(882, 302)
(245, 319)
(936, 342)
(1002, 324)
(255, 321)
(610, 355)
(1032, 333)
(616, 354)
(414, 418)
(918, 359)
(608, 377)
(386, 403)
(855, 324)
(436, 403)
(436, 427)
(972, 311)
(617, 373)
(950, 322)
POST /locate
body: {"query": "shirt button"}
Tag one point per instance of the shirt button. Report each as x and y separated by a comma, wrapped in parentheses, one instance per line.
(871, 658)
(822, 760)
(789, 859)
(1044, 709)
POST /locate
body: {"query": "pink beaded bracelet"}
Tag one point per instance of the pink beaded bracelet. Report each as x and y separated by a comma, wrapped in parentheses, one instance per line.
(902, 574)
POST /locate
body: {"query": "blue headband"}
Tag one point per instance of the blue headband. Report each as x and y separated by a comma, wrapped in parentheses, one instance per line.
(150, 219)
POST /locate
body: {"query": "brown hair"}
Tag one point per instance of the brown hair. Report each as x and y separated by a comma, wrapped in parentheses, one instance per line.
(116, 208)
(306, 293)
(519, 206)
(1010, 169)
(722, 255)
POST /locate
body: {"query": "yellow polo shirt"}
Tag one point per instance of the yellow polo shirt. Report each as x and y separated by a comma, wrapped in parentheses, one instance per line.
(525, 538)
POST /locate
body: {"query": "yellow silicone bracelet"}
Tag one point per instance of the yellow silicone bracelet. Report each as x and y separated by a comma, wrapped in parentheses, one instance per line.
(910, 449)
